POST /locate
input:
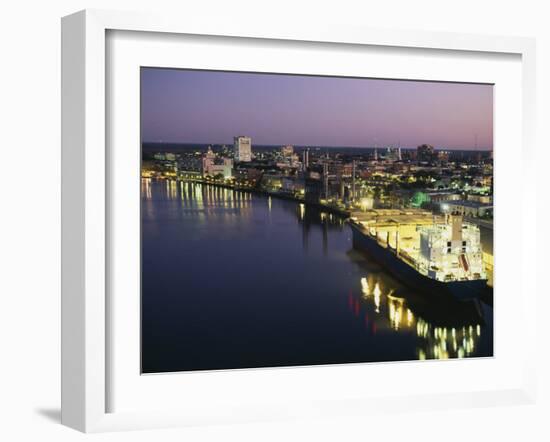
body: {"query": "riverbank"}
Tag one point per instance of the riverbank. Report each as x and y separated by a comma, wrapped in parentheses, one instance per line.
(330, 209)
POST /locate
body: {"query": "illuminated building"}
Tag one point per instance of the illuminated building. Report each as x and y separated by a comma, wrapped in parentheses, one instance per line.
(247, 176)
(439, 196)
(467, 208)
(272, 182)
(485, 199)
(208, 160)
(209, 166)
(287, 151)
(243, 148)
(292, 186)
(224, 169)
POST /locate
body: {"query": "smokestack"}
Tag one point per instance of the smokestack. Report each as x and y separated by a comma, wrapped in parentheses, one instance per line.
(325, 179)
(456, 222)
(353, 180)
(305, 159)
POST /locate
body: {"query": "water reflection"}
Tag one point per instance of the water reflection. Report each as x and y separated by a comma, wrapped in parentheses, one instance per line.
(310, 216)
(443, 326)
(197, 198)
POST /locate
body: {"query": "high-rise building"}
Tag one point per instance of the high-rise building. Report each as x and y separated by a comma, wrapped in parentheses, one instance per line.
(243, 148)
(425, 153)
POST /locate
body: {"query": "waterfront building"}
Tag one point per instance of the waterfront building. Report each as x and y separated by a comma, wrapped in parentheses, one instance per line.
(485, 199)
(208, 160)
(225, 169)
(247, 176)
(292, 186)
(190, 162)
(210, 167)
(192, 175)
(467, 208)
(439, 196)
(242, 149)
(272, 182)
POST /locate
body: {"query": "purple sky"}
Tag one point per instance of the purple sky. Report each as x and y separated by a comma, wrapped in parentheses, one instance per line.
(212, 107)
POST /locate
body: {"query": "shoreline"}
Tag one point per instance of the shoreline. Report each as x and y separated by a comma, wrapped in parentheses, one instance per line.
(335, 211)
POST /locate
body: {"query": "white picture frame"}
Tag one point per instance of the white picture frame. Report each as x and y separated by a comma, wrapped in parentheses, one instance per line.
(85, 310)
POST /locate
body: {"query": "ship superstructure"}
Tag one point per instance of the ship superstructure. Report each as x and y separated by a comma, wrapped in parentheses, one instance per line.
(451, 251)
(426, 251)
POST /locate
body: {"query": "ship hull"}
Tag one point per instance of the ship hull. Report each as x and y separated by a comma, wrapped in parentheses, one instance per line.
(409, 276)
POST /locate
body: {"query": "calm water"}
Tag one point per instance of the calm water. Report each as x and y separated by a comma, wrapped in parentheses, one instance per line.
(233, 280)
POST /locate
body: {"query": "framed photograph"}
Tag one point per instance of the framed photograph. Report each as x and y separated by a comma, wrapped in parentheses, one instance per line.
(267, 223)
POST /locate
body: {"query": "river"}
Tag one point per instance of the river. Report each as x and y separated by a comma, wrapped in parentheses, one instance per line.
(232, 279)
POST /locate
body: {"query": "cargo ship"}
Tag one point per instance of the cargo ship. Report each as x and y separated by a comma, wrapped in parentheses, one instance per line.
(432, 255)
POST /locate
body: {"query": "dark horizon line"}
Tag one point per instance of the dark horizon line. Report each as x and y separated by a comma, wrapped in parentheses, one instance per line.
(297, 74)
(478, 148)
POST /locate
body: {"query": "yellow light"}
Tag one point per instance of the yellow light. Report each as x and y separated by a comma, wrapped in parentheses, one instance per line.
(377, 293)
(365, 287)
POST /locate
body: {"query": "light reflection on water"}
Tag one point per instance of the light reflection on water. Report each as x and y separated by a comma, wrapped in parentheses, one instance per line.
(434, 341)
(231, 279)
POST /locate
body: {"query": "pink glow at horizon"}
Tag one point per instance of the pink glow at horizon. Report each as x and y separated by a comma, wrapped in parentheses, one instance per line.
(186, 106)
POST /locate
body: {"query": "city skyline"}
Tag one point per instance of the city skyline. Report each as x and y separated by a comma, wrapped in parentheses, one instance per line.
(190, 106)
